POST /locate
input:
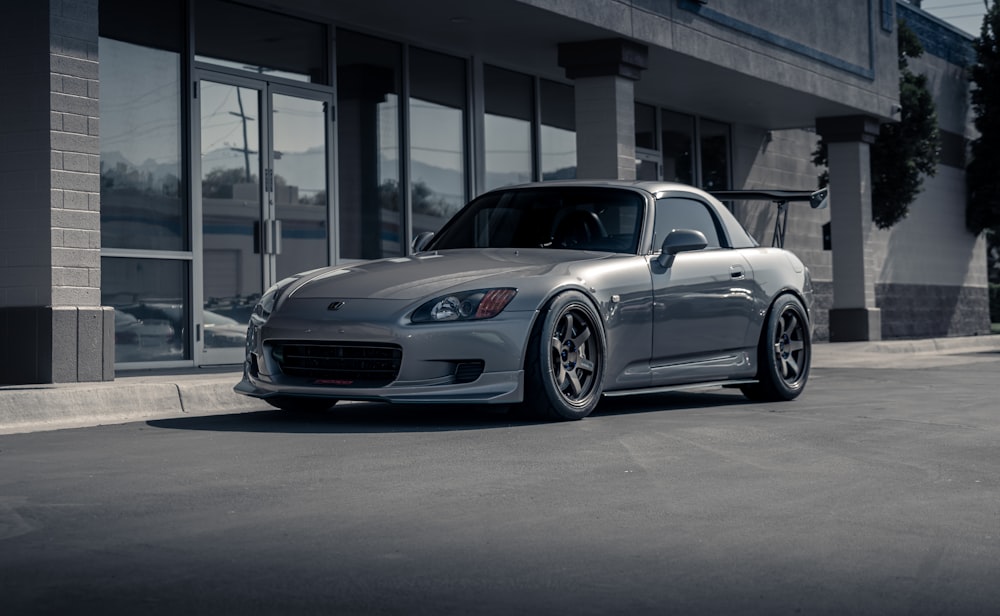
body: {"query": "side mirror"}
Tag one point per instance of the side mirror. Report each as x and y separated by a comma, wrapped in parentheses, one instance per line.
(680, 240)
(820, 199)
(420, 242)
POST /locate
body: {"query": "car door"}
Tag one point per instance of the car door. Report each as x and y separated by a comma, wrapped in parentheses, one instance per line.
(702, 302)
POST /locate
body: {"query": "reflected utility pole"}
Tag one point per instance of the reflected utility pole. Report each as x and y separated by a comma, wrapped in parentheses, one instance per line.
(246, 144)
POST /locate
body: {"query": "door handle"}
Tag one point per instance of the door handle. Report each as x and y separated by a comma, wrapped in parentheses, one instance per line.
(736, 272)
(276, 240)
(272, 237)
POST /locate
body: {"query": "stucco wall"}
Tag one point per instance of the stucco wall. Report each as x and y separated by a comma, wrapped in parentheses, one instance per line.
(836, 51)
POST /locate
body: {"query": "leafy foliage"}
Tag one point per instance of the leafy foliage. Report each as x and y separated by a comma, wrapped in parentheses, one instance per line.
(983, 172)
(906, 151)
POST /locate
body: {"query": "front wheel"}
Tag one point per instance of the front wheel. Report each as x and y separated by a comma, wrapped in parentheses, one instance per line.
(564, 367)
(784, 353)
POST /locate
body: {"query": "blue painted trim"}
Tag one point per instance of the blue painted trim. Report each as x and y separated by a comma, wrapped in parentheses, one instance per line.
(785, 43)
(938, 38)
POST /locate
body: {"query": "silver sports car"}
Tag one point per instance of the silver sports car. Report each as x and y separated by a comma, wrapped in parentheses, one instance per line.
(547, 296)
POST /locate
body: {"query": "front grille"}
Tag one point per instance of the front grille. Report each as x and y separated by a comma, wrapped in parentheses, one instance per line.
(347, 364)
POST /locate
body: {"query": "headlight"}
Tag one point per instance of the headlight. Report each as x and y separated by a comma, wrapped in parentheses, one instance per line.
(465, 306)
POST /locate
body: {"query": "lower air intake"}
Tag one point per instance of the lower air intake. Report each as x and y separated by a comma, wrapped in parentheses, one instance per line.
(347, 364)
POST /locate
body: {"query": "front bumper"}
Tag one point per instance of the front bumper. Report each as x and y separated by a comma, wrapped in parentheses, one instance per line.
(491, 388)
(428, 369)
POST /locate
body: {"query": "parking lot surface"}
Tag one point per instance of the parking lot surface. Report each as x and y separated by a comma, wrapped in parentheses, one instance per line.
(876, 492)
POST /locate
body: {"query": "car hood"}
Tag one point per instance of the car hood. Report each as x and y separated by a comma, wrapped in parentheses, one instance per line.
(429, 274)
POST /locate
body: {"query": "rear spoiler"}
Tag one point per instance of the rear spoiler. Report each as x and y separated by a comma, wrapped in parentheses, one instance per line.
(818, 200)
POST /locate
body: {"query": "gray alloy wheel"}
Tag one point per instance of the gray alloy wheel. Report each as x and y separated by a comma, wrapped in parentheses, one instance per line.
(300, 404)
(784, 353)
(565, 363)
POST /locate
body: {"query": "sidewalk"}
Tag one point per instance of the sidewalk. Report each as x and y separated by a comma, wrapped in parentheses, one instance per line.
(142, 396)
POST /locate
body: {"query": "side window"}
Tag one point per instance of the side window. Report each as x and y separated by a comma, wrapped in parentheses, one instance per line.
(677, 213)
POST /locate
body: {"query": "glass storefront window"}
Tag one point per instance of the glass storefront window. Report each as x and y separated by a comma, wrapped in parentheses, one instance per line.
(230, 193)
(677, 135)
(368, 86)
(507, 119)
(437, 109)
(150, 298)
(645, 126)
(714, 137)
(250, 39)
(557, 135)
(141, 203)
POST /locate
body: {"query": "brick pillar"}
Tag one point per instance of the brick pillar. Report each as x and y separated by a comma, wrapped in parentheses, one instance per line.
(52, 326)
(604, 72)
(854, 316)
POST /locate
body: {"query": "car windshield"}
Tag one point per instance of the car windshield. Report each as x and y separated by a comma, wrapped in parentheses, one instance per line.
(569, 218)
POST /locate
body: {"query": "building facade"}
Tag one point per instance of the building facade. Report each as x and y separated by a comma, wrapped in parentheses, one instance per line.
(166, 166)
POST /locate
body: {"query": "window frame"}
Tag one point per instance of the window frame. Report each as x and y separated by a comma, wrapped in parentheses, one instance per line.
(656, 243)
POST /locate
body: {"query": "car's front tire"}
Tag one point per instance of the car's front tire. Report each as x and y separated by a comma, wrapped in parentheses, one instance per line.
(300, 404)
(564, 366)
(784, 353)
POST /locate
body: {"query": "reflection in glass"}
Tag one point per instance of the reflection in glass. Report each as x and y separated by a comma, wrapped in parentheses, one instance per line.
(368, 84)
(647, 169)
(507, 122)
(677, 213)
(508, 151)
(714, 155)
(437, 138)
(678, 140)
(151, 303)
(557, 135)
(141, 204)
(230, 196)
(300, 198)
(645, 126)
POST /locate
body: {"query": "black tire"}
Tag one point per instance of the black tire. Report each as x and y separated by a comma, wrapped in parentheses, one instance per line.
(300, 404)
(564, 365)
(783, 354)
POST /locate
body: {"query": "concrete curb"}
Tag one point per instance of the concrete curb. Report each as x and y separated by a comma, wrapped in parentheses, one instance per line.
(147, 396)
(127, 399)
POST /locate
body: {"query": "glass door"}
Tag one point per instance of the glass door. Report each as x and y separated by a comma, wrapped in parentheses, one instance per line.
(299, 196)
(265, 171)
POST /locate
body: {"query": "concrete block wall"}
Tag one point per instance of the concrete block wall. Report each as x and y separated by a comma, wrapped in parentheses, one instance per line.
(50, 244)
(605, 148)
(930, 273)
(75, 150)
(782, 159)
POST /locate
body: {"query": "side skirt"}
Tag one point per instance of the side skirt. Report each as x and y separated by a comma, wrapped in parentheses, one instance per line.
(668, 388)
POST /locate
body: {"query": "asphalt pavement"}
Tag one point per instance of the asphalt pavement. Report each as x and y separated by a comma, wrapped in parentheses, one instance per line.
(159, 394)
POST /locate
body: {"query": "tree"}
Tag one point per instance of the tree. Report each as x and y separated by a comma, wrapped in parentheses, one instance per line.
(983, 172)
(905, 151)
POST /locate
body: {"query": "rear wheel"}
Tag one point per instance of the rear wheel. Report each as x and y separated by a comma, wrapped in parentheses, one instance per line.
(564, 368)
(300, 404)
(784, 353)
